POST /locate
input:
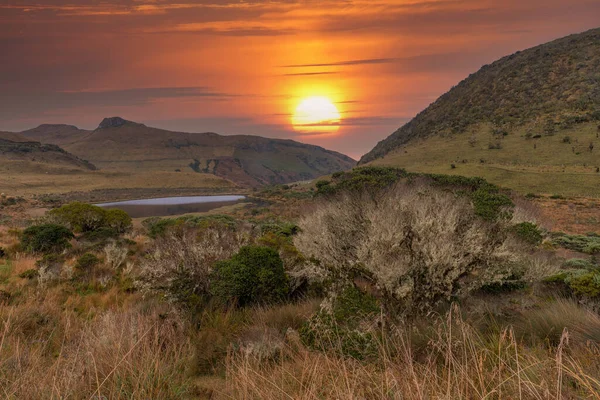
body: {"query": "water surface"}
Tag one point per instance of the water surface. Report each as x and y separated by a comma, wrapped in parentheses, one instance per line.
(172, 205)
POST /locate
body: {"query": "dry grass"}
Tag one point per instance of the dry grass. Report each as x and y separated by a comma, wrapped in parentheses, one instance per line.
(20, 178)
(49, 353)
(459, 363)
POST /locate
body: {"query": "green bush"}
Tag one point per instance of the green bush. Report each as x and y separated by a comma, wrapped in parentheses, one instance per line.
(363, 178)
(118, 220)
(579, 263)
(279, 228)
(589, 244)
(254, 275)
(29, 274)
(82, 217)
(583, 282)
(46, 238)
(340, 329)
(529, 233)
(86, 262)
(586, 284)
(100, 235)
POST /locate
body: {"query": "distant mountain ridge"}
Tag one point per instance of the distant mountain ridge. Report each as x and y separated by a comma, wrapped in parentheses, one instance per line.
(549, 87)
(119, 144)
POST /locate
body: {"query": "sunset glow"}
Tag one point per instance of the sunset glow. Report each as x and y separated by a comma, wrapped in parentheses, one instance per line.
(243, 67)
(316, 114)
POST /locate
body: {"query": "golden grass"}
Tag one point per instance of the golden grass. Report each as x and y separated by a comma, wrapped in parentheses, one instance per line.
(552, 167)
(458, 363)
(21, 178)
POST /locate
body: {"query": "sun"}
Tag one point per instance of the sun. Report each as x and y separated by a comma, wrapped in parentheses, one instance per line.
(316, 114)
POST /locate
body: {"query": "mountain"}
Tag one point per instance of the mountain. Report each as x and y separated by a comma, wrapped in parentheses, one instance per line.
(18, 148)
(530, 121)
(118, 144)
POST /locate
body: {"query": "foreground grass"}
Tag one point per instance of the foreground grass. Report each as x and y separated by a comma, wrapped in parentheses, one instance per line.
(58, 343)
(457, 362)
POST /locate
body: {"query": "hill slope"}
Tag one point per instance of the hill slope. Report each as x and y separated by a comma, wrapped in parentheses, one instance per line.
(118, 144)
(18, 148)
(528, 121)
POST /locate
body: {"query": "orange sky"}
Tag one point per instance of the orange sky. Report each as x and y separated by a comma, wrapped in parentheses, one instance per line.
(243, 66)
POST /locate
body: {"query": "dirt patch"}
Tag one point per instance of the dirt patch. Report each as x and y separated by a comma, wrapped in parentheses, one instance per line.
(573, 215)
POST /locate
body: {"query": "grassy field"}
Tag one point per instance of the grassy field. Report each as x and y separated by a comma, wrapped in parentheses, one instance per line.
(20, 178)
(546, 165)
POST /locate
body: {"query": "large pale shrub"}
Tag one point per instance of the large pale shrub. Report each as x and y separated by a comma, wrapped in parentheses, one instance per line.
(414, 245)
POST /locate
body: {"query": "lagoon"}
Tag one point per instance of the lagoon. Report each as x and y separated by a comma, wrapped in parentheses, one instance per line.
(165, 206)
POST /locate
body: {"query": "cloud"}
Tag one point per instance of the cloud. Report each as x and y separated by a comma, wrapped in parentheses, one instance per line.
(12, 105)
(312, 73)
(345, 63)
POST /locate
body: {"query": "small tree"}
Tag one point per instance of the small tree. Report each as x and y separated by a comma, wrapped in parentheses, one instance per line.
(86, 262)
(80, 217)
(46, 238)
(118, 220)
(254, 275)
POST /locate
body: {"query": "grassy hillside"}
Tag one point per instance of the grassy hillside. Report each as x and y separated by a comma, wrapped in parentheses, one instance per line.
(246, 160)
(546, 165)
(15, 147)
(533, 118)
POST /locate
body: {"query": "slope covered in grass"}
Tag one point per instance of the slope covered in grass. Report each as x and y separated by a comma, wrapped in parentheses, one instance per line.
(529, 121)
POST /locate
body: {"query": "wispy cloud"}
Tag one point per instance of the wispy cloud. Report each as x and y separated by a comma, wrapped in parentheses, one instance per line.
(312, 73)
(345, 63)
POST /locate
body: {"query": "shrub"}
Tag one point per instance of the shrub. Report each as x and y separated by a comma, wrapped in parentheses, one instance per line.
(578, 263)
(46, 238)
(178, 266)
(82, 217)
(529, 233)
(29, 274)
(161, 226)
(490, 203)
(254, 275)
(417, 245)
(589, 244)
(286, 229)
(117, 220)
(340, 328)
(362, 178)
(100, 235)
(86, 262)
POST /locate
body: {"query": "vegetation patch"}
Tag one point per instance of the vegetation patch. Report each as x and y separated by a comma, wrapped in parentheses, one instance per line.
(345, 327)
(589, 244)
(160, 226)
(254, 275)
(82, 217)
(529, 232)
(489, 201)
(46, 238)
